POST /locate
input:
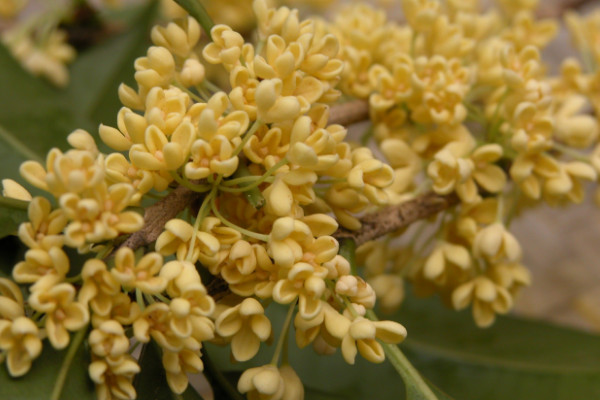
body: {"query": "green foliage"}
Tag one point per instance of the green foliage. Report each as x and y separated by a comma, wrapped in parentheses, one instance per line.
(515, 358)
(12, 213)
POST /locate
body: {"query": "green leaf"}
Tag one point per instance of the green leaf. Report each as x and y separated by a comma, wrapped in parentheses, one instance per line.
(39, 381)
(197, 10)
(97, 72)
(515, 358)
(151, 382)
(12, 213)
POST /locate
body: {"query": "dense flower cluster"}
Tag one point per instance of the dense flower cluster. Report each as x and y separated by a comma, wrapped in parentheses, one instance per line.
(459, 104)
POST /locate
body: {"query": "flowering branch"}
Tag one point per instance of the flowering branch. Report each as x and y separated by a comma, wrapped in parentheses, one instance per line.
(392, 218)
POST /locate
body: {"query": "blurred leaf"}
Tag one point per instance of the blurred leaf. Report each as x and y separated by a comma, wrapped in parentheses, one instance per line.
(12, 213)
(151, 382)
(97, 73)
(515, 358)
(39, 381)
(12, 251)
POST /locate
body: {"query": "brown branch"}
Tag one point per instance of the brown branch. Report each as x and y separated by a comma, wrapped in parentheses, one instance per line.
(157, 215)
(349, 113)
(393, 218)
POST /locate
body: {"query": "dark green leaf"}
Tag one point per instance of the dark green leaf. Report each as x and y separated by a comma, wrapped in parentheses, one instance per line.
(515, 358)
(97, 73)
(12, 213)
(38, 383)
(151, 382)
(197, 10)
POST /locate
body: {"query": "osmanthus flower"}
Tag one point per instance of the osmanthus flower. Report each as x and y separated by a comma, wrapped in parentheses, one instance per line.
(11, 300)
(47, 58)
(531, 171)
(454, 169)
(131, 128)
(225, 48)
(356, 289)
(496, 244)
(42, 265)
(525, 30)
(113, 377)
(264, 383)
(62, 312)
(370, 176)
(45, 226)
(179, 37)
(20, 341)
(303, 282)
(518, 67)
(178, 365)
(391, 87)
(487, 298)
(161, 153)
(71, 172)
(157, 68)
(389, 289)
(169, 108)
(100, 289)
(101, 215)
(272, 106)
(531, 129)
(15, 190)
(246, 326)
(108, 339)
(362, 335)
(119, 170)
(140, 274)
(573, 127)
(179, 236)
(446, 264)
(568, 185)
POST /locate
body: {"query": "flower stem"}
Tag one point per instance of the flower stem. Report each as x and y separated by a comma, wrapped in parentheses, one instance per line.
(416, 387)
(66, 364)
(282, 341)
(257, 124)
(254, 235)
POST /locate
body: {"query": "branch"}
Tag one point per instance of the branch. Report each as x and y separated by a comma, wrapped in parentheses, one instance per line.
(392, 218)
(157, 215)
(349, 113)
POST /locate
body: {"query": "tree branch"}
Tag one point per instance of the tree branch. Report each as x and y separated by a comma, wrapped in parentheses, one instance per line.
(349, 113)
(392, 218)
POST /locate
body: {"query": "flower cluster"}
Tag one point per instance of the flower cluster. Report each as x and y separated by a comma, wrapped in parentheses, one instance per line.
(248, 184)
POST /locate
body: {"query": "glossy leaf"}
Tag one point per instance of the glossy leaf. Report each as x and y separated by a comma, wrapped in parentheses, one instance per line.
(515, 358)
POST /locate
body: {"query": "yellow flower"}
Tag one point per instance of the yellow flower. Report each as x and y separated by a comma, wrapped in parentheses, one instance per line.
(141, 274)
(99, 287)
(45, 226)
(11, 300)
(14, 190)
(40, 264)
(179, 37)
(178, 365)
(265, 383)
(304, 282)
(272, 106)
(113, 377)
(20, 340)
(246, 325)
(361, 337)
(225, 48)
(496, 244)
(446, 261)
(487, 297)
(179, 236)
(62, 312)
(108, 339)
